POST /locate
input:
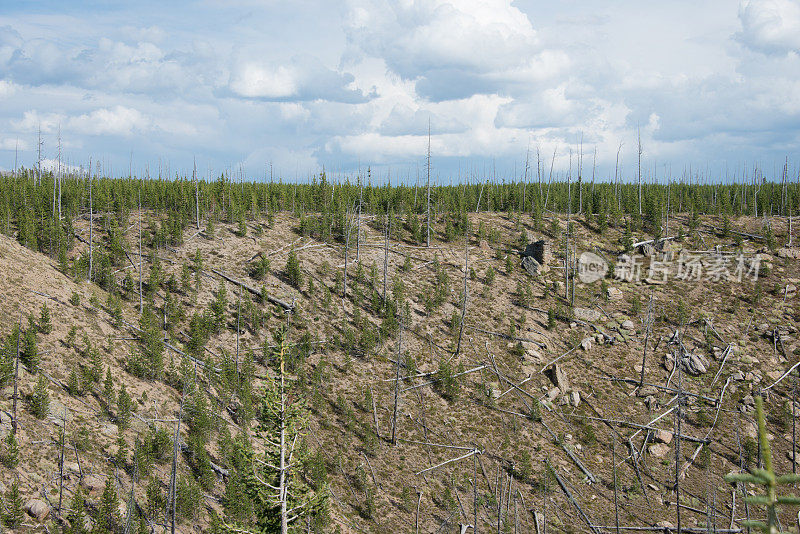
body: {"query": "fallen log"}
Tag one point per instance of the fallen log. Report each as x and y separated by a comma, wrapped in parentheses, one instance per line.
(278, 302)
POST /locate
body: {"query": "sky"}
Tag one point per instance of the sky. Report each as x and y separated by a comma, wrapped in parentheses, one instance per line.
(255, 87)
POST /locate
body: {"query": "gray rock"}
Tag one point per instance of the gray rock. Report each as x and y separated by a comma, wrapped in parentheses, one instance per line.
(531, 266)
(614, 294)
(658, 450)
(585, 314)
(628, 325)
(646, 391)
(557, 376)
(37, 509)
(586, 344)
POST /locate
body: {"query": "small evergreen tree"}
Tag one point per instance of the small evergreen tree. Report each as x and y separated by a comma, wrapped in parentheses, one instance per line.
(77, 515)
(124, 408)
(13, 513)
(45, 326)
(293, 272)
(40, 398)
(107, 519)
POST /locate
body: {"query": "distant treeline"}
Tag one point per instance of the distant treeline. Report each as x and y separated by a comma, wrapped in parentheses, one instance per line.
(30, 204)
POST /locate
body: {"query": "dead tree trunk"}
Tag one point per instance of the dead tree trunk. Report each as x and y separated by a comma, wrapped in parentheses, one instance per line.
(397, 383)
(386, 254)
(464, 304)
(196, 194)
(141, 259)
(16, 379)
(428, 217)
(91, 224)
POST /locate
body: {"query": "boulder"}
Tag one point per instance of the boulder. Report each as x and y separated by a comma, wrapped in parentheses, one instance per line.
(614, 294)
(663, 436)
(539, 251)
(574, 397)
(37, 509)
(531, 266)
(586, 344)
(553, 394)
(694, 364)
(658, 450)
(628, 325)
(792, 253)
(93, 483)
(585, 314)
(646, 391)
(557, 376)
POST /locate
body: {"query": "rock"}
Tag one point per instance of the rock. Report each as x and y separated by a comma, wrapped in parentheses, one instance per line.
(531, 266)
(557, 376)
(574, 397)
(646, 391)
(658, 450)
(744, 358)
(669, 362)
(663, 436)
(694, 364)
(37, 509)
(614, 294)
(585, 314)
(538, 251)
(666, 525)
(790, 456)
(651, 402)
(586, 344)
(790, 289)
(93, 483)
(628, 325)
(534, 355)
(792, 253)
(553, 394)
(748, 400)
(738, 376)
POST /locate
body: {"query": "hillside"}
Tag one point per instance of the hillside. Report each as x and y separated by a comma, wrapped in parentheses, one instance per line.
(474, 425)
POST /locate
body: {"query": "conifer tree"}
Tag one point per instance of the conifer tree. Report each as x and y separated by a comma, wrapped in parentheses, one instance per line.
(45, 326)
(107, 519)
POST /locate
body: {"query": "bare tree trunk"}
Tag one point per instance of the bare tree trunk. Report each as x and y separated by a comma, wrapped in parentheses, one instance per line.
(283, 490)
(358, 221)
(386, 254)
(16, 377)
(464, 304)
(639, 169)
(397, 383)
(428, 238)
(141, 259)
(59, 172)
(196, 194)
(62, 440)
(614, 465)
(91, 224)
(173, 476)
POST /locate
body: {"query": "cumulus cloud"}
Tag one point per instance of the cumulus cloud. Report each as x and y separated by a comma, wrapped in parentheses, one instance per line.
(454, 49)
(770, 26)
(304, 77)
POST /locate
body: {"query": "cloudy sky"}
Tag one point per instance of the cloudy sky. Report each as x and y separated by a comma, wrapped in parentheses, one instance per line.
(306, 84)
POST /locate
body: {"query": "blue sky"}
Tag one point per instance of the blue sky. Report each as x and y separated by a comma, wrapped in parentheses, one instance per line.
(305, 84)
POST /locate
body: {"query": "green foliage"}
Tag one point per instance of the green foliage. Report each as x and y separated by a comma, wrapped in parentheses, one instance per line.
(489, 276)
(293, 273)
(9, 456)
(76, 517)
(107, 519)
(39, 400)
(12, 512)
(29, 352)
(45, 326)
(446, 380)
(124, 407)
(260, 268)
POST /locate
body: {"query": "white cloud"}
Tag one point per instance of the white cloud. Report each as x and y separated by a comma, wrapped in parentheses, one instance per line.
(304, 77)
(119, 120)
(770, 26)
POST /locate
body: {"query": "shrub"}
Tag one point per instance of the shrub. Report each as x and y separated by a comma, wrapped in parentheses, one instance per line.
(260, 268)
